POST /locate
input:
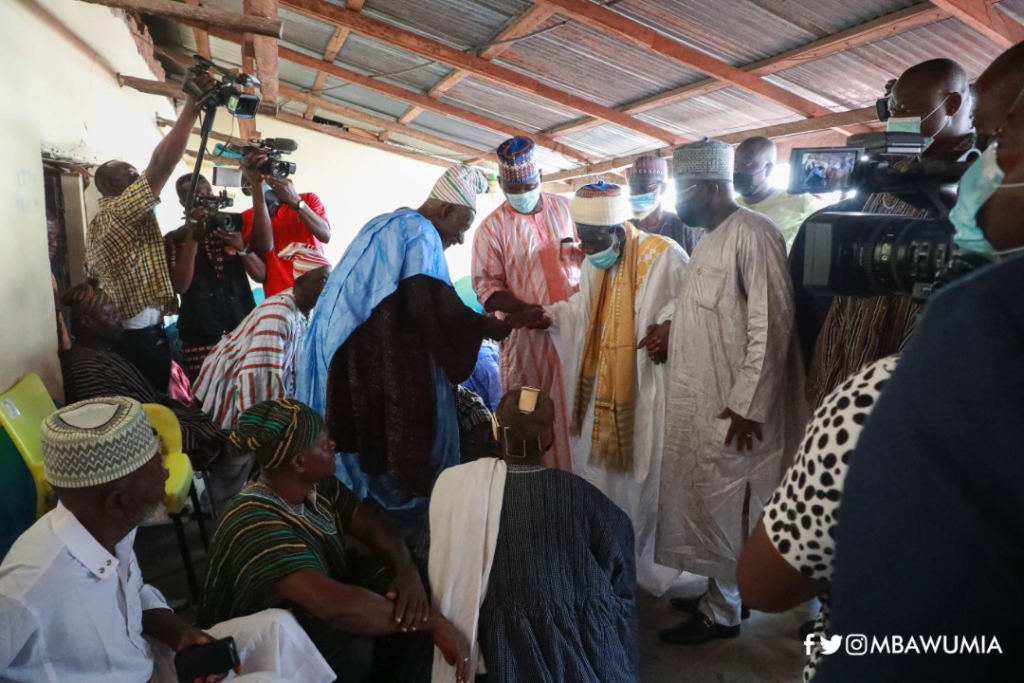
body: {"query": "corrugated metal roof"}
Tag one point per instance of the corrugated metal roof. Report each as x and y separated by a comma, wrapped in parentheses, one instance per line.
(458, 130)
(511, 106)
(745, 31)
(1013, 8)
(295, 75)
(359, 97)
(588, 63)
(721, 112)
(857, 77)
(373, 57)
(460, 23)
(305, 32)
(609, 140)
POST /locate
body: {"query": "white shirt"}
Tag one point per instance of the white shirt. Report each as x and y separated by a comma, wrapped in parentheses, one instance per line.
(70, 612)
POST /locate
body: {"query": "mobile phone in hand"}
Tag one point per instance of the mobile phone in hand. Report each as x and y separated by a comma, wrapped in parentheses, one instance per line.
(212, 659)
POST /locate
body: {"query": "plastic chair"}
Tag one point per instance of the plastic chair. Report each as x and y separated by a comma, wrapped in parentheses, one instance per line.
(17, 494)
(179, 485)
(22, 411)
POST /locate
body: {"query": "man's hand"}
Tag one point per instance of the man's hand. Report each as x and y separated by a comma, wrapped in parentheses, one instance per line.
(204, 82)
(742, 429)
(411, 605)
(233, 240)
(194, 636)
(656, 341)
(453, 647)
(250, 166)
(284, 188)
(532, 318)
(496, 329)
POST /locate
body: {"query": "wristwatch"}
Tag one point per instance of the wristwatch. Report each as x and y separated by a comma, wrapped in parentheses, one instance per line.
(244, 251)
(300, 205)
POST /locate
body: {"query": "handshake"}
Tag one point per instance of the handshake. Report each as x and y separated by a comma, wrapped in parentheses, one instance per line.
(531, 317)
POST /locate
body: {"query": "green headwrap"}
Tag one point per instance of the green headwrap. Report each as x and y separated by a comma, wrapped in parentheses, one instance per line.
(275, 430)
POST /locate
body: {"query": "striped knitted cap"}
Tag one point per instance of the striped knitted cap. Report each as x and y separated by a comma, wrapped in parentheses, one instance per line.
(304, 258)
(275, 430)
(460, 184)
(516, 161)
(96, 441)
(600, 204)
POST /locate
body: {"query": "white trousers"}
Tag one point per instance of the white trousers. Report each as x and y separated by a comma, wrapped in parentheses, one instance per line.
(722, 602)
(272, 647)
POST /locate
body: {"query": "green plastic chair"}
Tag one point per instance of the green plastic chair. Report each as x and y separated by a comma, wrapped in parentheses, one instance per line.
(22, 411)
(17, 494)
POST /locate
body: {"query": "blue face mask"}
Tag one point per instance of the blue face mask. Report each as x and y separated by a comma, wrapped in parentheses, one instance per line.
(644, 204)
(603, 260)
(525, 202)
(982, 180)
(912, 124)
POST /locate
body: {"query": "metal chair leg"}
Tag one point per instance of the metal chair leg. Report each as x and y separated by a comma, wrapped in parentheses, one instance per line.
(186, 558)
(198, 514)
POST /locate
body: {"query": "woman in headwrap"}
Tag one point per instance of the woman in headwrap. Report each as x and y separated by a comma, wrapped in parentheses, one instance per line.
(281, 544)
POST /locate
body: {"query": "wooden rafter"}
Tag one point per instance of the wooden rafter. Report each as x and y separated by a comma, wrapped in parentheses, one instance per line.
(628, 30)
(985, 18)
(361, 140)
(528, 21)
(201, 36)
(410, 97)
(878, 29)
(477, 66)
(151, 87)
(264, 50)
(334, 46)
(204, 16)
(389, 126)
(846, 118)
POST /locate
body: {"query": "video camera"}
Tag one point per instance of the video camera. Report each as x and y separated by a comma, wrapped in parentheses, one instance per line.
(226, 93)
(273, 148)
(215, 218)
(861, 254)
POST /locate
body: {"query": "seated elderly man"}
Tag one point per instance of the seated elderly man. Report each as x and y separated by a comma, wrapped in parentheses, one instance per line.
(281, 543)
(92, 368)
(534, 563)
(257, 361)
(73, 606)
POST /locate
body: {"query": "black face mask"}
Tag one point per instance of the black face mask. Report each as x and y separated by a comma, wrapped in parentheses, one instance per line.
(744, 182)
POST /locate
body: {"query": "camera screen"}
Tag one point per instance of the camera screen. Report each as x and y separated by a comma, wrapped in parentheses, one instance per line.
(822, 170)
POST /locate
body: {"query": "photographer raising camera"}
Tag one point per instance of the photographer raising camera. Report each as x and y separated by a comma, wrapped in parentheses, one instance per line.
(210, 267)
(280, 216)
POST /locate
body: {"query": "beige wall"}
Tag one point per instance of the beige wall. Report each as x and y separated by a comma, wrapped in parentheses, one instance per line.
(60, 94)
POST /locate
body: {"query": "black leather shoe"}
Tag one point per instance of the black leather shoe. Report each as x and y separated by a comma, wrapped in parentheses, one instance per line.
(692, 604)
(697, 630)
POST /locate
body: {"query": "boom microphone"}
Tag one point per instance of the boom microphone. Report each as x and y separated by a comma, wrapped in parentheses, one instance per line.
(285, 145)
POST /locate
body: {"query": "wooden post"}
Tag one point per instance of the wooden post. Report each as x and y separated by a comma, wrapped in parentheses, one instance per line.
(180, 11)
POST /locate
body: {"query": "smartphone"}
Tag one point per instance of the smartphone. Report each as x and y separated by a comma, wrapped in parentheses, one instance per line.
(212, 659)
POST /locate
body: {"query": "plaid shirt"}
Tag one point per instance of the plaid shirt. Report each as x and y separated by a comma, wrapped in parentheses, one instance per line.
(125, 251)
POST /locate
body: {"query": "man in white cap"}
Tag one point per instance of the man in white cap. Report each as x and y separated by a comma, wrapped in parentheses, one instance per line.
(387, 342)
(73, 606)
(735, 409)
(616, 390)
(524, 256)
(257, 361)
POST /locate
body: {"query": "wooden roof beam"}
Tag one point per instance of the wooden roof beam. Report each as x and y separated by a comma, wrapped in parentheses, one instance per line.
(630, 31)
(334, 46)
(206, 17)
(872, 31)
(846, 118)
(528, 21)
(265, 50)
(477, 66)
(413, 98)
(985, 18)
(389, 126)
(201, 36)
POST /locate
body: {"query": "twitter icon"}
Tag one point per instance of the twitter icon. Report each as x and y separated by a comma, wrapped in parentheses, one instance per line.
(829, 646)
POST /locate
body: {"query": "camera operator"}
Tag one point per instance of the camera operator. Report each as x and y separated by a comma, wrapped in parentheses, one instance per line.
(941, 453)
(280, 216)
(209, 269)
(125, 250)
(932, 98)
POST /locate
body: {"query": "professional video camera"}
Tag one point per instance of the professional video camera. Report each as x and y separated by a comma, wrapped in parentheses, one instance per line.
(860, 254)
(215, 218)
(226, 93)
(273, 148)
